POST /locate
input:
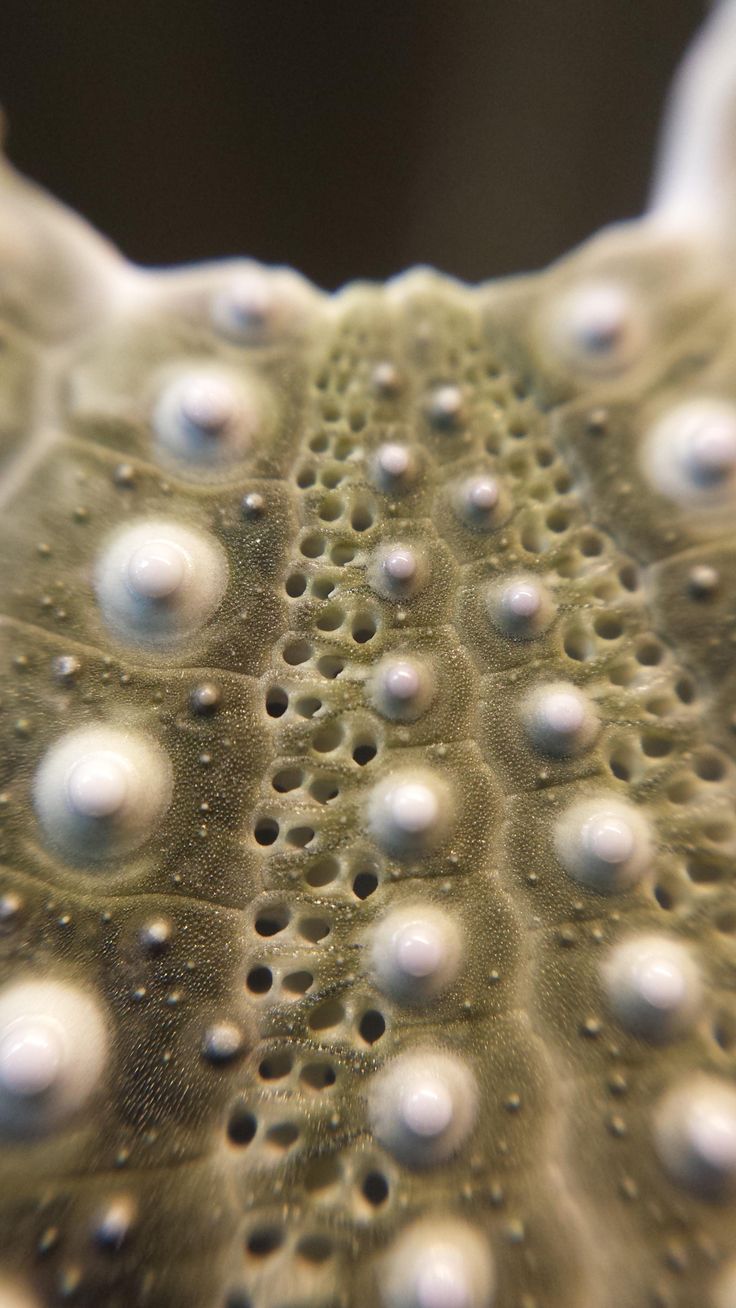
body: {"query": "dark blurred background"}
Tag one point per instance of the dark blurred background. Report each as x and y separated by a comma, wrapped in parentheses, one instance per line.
(346, 137)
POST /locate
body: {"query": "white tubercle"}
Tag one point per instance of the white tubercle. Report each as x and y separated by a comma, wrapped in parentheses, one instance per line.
(402, 687)
(520, 607)
(423, 1106)
(445, 407)
(560, 720)
(53, 1049)
(438, 1262)
(99, 792)
(398, 570)
(256, 304)
(695, 1129)
(157, 582)
(481, 502)
(242, 309)
(695, 180)
(156, 570)
(689, 454)
(205, 418)
(394, 466)
(409, 811)
(415, 952)
(603, 843)
(598, 327)
(653, 986)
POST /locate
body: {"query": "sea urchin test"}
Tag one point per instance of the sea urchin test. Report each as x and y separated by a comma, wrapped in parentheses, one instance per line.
(367, 811)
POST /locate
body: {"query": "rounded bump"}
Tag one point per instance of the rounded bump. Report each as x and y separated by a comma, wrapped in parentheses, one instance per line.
(598, 328)
(415, 952)
(695, 1132)
(604, 843)
(520, 608)
(205, 419)
(157, 582)
(481, 502)
(410, 811)
(653, 987)
(689, 454)
(398, 571)
(560, 720)
(99, 792)
(438, 1262)
(423, 1106)
(53, 1051)
(402, 687)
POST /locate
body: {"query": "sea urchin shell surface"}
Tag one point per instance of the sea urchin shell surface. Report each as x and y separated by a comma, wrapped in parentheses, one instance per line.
(367, 921)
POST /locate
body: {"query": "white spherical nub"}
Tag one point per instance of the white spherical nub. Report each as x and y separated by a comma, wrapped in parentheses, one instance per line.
(53, 1049)
(398, 570)
(400, 563)
(415, 952)
(208, 403)
(97, 786)
(156, 570)
(653, 986)
(402, 680)
(158, 582)
(695, 1127)
(481, 503)
(402, 688)
(423, 1106)
(690, 453)
(243, 309)
(599, 327)
(32, 1052)
(482, 493)
(446, 406)
(520, 608)
(443, 1281)
(419, 950)
(409, 812)
(438, 1263)
(603, 843)
(413, 807)
(426, 1107)
(560, 720)
(205, 418)
(99, 792)
(393, 460)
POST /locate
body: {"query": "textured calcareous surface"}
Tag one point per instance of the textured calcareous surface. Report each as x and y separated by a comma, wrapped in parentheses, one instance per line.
(368, 926)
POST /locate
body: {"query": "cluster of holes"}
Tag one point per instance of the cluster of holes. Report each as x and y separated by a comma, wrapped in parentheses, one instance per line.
(242, 1129)
(267, 830)
(275, 919)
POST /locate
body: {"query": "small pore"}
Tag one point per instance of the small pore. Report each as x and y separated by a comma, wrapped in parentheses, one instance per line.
(322, 872)
(275, 1066)
(264, 1241)
(327, 1015)
(272, 920)
(277, 701)
(242, 1126)
(318, 1076)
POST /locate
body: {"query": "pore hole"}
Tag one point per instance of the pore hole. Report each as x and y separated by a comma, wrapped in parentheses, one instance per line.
(372, 1026)
(241, 1126)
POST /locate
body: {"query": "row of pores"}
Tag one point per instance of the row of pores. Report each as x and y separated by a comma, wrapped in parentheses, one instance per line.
(206, 419)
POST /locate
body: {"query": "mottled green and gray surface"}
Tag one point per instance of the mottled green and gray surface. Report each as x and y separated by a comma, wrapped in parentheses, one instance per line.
(371, 969)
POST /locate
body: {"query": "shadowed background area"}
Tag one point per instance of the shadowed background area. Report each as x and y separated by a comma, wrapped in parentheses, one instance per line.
(349, 138)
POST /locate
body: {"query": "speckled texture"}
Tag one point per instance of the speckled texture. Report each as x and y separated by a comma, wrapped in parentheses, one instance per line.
(370, 867)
